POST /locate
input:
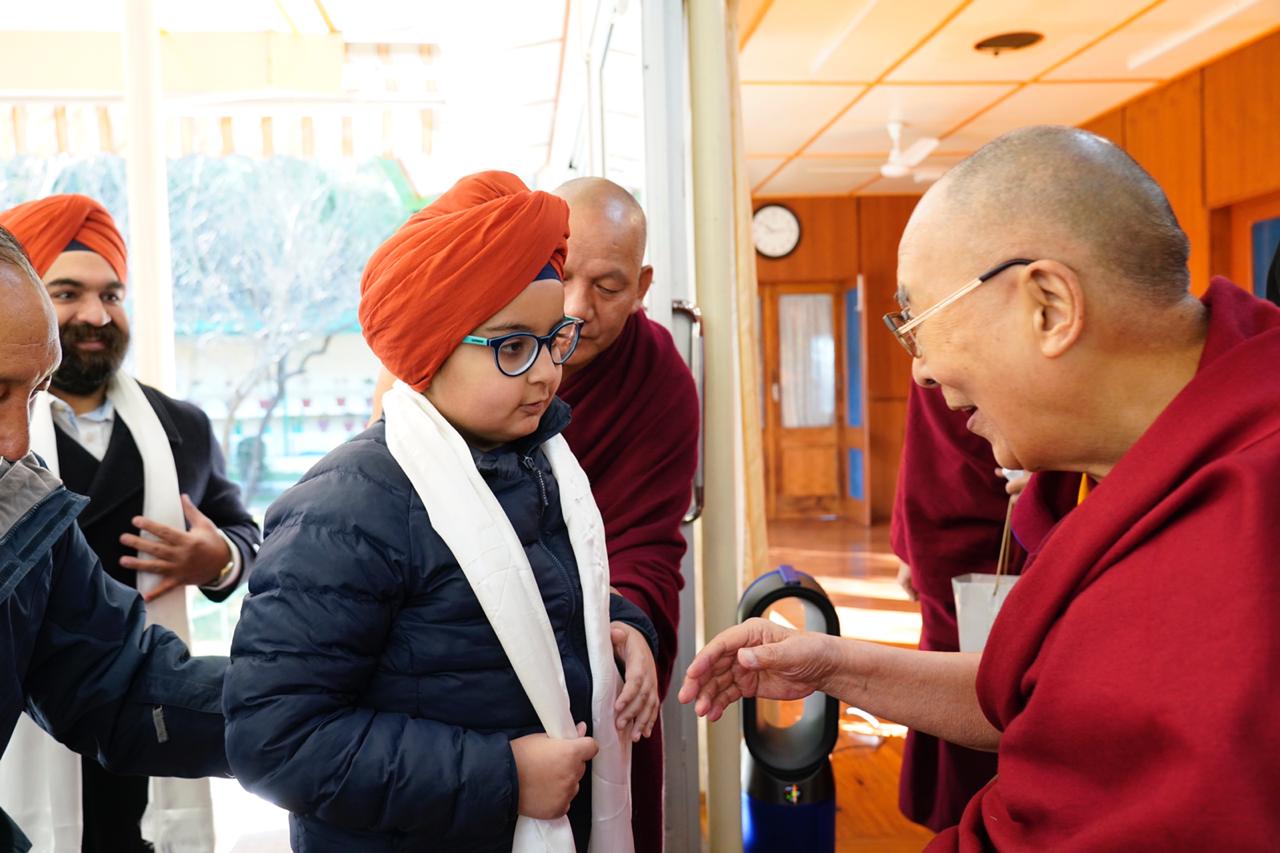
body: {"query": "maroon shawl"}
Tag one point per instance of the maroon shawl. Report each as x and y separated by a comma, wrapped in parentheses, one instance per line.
(635, 431)
(1133, 669)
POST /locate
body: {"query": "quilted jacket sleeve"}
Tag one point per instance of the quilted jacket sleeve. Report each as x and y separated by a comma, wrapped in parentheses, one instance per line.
(111, 688)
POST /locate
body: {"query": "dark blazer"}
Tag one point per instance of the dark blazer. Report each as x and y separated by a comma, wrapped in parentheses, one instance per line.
(114, 486)
(113, 805)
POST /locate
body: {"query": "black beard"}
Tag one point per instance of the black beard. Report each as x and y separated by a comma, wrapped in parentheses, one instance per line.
(83, 373)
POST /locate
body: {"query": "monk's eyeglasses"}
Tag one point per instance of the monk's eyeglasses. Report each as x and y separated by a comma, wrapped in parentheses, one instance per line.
(903, 325)
(517, 352)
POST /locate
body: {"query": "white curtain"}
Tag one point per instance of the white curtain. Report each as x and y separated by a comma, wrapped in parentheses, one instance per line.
(808, 360)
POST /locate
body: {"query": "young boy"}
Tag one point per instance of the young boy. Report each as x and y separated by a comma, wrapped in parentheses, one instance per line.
(426, 660)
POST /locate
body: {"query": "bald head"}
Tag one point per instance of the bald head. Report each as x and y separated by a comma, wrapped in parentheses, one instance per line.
(598, 204)
(1083, 327)
(605, 278)
(1061, 192)
(29, 348)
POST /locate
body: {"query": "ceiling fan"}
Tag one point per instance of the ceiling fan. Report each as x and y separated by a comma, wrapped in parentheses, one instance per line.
(903, 163)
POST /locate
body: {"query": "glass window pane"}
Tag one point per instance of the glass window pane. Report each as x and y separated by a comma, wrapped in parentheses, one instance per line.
(807, 360)
(622, 101)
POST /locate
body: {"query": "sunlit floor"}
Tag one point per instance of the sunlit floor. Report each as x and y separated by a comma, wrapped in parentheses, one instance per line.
(859, 573)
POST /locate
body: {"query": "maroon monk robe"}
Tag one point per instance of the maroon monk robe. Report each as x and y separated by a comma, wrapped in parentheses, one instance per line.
(635, 431)
(948, 519)
(1132, 671)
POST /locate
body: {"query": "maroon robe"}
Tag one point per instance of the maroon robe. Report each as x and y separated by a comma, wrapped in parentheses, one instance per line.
(635, 431)
(1132, 671)
(948, 519)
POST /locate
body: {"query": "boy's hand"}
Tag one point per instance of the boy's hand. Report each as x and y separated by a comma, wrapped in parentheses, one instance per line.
(636, 709)
(549, 771)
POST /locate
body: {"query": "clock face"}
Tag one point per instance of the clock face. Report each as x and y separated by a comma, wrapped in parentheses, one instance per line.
(775, 230)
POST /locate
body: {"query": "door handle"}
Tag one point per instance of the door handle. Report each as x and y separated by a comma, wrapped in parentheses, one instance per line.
(777, 393)
(698, 369)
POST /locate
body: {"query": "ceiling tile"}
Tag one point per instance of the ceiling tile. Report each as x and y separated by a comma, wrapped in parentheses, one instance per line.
(894, 186)
(821, 176)
(1043, 103)
(759, 169)
(929, 171)
(1171, 25)
(1067, 27)
(779, 119)
(813, 40)
(925, 110)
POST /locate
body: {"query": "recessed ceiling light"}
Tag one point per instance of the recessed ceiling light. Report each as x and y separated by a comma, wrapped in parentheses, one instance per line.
(995, 45)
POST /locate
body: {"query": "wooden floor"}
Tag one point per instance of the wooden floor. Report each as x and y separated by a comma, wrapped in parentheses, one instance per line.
(859, 573)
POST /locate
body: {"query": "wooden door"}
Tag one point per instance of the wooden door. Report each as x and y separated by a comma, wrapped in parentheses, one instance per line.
(804, 399)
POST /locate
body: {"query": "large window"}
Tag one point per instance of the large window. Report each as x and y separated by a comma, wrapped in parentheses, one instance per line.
(267, 259)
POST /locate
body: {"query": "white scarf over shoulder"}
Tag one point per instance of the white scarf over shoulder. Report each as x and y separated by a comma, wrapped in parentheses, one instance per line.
(467, 516)
(39, 777)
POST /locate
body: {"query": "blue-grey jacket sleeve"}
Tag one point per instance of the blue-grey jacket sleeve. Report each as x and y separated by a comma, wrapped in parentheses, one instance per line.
(109, 687)
(622, 610)
(326, 590)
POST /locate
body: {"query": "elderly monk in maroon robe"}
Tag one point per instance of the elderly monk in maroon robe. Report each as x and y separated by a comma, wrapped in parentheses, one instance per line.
(1129, 682)
(635, 431)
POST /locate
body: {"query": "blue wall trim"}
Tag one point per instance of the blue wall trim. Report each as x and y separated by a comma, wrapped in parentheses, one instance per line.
(857, 477)
(853, 359)
(1266, 237)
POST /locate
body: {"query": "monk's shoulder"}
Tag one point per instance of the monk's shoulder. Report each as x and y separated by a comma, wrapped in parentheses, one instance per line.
(665, 362)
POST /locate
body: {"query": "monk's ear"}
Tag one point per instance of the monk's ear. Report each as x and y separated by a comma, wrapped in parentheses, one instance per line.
(1057, 303)
(646, 279)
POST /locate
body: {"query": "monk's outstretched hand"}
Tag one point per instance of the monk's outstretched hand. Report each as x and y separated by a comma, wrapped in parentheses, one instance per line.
(760, 659)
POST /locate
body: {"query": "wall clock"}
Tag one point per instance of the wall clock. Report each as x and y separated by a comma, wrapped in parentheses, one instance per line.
(775, 231)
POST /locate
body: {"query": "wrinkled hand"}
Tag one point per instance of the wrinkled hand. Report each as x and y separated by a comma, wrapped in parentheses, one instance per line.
(636, 709)
(904, 581)
(181, 557)
(550, 771)
(756, 658)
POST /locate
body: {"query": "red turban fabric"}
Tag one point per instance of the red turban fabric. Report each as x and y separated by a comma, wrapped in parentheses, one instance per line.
(47, 226)
(454, 265)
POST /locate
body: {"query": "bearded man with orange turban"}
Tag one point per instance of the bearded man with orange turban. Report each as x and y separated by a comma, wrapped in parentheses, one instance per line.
(162, 515)
(429, 659)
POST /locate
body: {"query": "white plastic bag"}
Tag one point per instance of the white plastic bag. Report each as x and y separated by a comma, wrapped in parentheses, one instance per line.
(979, 598)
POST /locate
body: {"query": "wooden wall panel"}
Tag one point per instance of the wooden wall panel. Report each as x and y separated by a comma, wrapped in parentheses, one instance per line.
(1109, 125)
(1163, 132)
(1242, 123)
(828, 248)
(888, 367)
(886, 424)
(883, 218)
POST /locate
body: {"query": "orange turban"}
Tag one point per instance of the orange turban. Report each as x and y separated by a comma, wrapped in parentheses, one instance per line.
(454, 265)
(47, 226)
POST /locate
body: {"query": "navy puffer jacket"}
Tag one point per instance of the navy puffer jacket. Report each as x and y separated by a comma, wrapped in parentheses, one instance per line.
(368, 693)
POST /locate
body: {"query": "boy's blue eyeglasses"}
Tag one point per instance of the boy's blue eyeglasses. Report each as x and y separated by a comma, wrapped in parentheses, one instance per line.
(516, 353)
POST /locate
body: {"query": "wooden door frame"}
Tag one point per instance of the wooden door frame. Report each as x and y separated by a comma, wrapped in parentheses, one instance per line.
(1233, 238)
(769, 333)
